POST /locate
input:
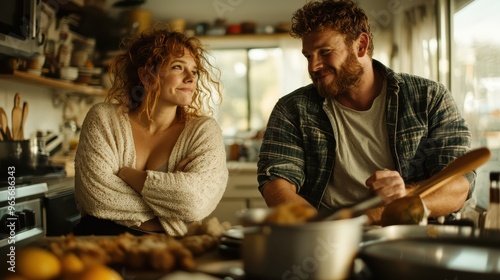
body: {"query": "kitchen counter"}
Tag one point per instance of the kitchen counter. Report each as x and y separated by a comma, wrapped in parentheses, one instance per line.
(242, 167)
(60, 185)
(66, 160)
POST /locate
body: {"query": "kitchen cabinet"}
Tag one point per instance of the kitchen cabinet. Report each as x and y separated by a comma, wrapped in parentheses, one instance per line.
(60, 209)
(55, 84)
(241, 192)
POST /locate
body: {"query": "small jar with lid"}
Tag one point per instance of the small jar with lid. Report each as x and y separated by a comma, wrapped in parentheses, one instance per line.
(82, 53)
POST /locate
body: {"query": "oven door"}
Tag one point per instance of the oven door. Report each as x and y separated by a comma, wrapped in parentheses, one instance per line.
(61, 222)
(19, 226)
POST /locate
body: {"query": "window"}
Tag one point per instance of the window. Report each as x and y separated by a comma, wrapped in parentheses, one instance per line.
(475, 79)
(253, 80)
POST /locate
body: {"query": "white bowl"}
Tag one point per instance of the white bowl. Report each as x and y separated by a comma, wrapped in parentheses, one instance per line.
(68, 73)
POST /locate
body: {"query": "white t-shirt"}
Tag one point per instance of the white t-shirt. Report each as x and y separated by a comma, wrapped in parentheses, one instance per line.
(362, 148)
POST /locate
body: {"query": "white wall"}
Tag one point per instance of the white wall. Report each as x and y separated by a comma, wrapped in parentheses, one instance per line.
(42, 114)
(48, 109)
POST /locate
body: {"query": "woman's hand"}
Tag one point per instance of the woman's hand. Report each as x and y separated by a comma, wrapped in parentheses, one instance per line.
(133, 177)
(136, 178)
(182, 164)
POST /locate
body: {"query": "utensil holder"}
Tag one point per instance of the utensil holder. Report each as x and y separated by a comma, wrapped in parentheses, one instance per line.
(15, 154)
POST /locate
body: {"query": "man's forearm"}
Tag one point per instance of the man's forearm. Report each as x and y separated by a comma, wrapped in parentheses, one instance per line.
(281, 191)
(449, 198)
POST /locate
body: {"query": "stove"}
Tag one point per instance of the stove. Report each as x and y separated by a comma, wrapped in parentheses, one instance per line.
(21, 209)
(21, 217)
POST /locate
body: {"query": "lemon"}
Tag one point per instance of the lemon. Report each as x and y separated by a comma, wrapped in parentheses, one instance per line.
(71, 264)
(99, 272)
(14, 277)
(37, 264)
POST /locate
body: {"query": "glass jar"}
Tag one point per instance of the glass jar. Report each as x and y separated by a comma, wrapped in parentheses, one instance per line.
(70, 131)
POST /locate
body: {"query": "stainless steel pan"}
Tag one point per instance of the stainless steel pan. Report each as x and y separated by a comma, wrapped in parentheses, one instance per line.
(438, 258)
(397, 232)
(431, 252)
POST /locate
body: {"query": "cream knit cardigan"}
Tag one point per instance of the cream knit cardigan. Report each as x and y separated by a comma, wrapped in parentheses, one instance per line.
(176, 198)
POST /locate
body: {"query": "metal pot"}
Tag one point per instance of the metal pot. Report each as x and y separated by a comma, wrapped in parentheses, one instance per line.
(15, 150)
(15, 153)
(314, 250)
(17, 156)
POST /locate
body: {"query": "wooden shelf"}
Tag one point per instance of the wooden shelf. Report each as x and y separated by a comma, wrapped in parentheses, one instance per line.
(67, 86)
(249, 40)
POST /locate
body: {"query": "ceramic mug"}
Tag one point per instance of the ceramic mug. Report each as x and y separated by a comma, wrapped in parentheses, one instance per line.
(35, 64)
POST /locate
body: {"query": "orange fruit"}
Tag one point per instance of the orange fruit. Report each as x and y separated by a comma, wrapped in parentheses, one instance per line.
(37, 264)
(70, 264)
(99, 272)
(14, 277)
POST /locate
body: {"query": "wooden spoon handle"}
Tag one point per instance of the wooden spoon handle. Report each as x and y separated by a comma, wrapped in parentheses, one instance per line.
(23, 120)
(466, 163)
(3, 122)
(16, 117)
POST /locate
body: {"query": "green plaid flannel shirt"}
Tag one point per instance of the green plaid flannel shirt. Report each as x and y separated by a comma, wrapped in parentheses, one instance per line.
(425, 132)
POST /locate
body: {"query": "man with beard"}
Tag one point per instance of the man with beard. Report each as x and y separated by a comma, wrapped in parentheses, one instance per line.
(359, 129)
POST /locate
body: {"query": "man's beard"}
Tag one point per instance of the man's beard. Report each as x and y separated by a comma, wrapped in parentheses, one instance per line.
(348, 76)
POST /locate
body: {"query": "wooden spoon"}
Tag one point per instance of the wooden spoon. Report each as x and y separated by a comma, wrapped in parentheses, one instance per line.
(23, 120)
(17, 115)
(5, 126)
(466, 163)
(458, 167)
(411, 208)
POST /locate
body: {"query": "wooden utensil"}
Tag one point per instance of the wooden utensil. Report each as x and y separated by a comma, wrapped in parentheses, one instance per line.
(458, 167)
(23, 120)
(5, 126)
(17, 115)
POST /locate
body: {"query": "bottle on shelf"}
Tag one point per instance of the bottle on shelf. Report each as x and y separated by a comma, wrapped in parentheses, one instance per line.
(492, 219)
(64, 49)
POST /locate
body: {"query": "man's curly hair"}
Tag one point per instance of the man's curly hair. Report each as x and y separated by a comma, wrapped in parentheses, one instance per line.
(343, 16)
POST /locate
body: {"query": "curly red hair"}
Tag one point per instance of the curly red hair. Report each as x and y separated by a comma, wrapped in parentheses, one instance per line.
(151, 50)
(343, 16)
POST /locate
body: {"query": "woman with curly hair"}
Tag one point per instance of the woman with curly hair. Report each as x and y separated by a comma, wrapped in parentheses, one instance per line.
(151, 158)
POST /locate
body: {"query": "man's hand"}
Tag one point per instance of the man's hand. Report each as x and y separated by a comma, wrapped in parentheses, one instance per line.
(388, 184)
